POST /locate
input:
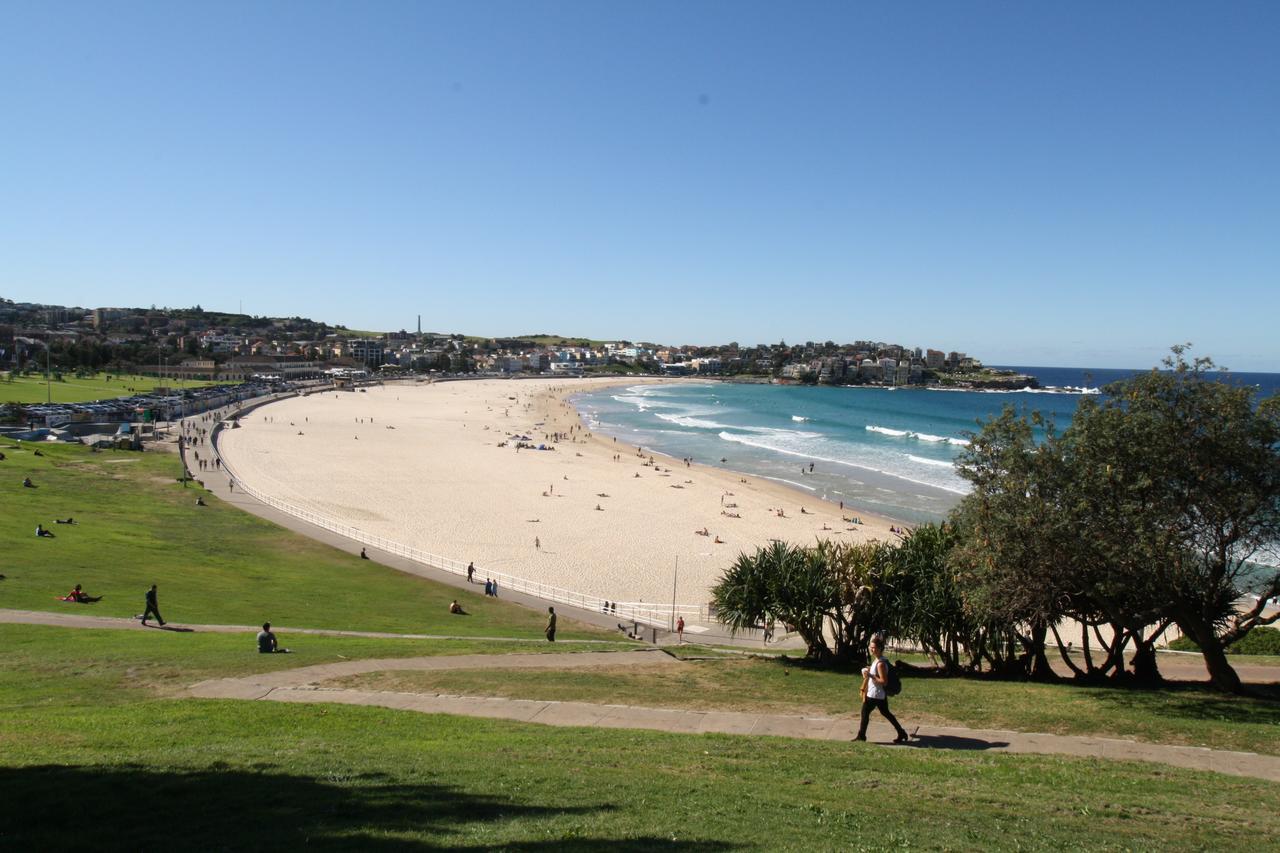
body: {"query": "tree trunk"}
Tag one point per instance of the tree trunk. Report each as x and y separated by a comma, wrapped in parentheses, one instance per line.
(1040, 665)
(1222, 674)
(1145, 671)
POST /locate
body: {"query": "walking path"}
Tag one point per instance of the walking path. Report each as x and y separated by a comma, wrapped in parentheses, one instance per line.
(303, 685)
(78, 620)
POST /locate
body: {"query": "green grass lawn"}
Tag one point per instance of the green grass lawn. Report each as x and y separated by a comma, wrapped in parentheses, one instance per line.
(1177, 714)
(98, 750)
(137, 525)
(94, 756)
(43, 663)
(33, 389)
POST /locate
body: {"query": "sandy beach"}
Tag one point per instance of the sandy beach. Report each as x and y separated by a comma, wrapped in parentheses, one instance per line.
(422, 465)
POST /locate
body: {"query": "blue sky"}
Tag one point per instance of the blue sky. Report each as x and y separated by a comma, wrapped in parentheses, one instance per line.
(1071, 184)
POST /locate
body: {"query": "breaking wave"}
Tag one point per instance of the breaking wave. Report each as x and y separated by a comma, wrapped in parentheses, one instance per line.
(918, 436)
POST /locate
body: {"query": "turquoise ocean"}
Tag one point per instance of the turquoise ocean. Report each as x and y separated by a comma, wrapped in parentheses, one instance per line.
(887, 451)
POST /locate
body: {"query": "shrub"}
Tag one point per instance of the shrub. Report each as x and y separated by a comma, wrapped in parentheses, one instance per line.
(1259, 641)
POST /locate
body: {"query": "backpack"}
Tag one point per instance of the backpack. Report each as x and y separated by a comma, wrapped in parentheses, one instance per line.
(892, 683)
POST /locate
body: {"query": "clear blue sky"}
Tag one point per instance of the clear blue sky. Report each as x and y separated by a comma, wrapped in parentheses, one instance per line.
(1034, 183)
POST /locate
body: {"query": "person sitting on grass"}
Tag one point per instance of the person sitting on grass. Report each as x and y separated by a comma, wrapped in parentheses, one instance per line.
(79, 596)
(27, 484)
(267, 644)
(456, 609)
(41, 532)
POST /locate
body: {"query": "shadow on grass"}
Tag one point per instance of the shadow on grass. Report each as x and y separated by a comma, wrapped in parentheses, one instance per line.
(98, 808)
(971, 744)
(1190, 701)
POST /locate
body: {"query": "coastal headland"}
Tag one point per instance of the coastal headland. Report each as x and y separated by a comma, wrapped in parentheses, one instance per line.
(437, 467)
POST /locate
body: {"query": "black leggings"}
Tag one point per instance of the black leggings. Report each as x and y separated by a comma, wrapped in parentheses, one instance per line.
(883, 704)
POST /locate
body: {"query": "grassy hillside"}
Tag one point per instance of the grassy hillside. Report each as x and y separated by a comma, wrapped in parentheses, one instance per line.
(99, 749)
(1184, 714)
(136, 525)
(31, 389)
(86, 729)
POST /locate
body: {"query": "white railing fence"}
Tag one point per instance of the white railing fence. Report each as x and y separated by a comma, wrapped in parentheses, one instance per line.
(656, 615)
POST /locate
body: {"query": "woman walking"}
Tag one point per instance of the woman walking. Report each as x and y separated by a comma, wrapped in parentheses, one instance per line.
(875, 678)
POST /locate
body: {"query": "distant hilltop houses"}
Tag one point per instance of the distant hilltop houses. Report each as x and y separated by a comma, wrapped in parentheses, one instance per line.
(191, 343)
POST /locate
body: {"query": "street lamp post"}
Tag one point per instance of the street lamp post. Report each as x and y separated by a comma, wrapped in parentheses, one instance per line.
(674, 577)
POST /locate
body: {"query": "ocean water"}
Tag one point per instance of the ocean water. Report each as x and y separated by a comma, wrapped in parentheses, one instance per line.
(886, 451)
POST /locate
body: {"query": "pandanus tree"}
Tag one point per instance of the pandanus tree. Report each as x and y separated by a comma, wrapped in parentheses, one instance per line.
(783, 583)
(1181, 471)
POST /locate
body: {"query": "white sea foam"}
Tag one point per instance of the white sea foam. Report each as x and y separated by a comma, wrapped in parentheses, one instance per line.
(798, 419)
(689, 419)
(919, 436)
(942, 463)
(695, 423)
(807, 453)
(887, 431)
(790, 482)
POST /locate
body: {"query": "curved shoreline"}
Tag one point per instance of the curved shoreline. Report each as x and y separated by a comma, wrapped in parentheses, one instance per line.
(428, 473)
(857, 475)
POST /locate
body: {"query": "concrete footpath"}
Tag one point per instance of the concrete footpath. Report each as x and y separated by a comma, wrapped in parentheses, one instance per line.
(306, 685)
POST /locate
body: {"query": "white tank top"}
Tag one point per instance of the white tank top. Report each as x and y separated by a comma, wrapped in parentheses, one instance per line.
(874, 689)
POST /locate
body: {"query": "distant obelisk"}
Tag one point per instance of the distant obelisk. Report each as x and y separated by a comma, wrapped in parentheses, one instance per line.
(419, 324)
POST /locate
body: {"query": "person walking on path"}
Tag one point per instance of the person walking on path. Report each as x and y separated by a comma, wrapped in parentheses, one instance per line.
(875, 678)
(680, 630)
(152, 609)
(471, 571)
(551, 625)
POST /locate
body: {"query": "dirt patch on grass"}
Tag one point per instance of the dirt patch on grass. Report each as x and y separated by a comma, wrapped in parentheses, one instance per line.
(693, 687)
